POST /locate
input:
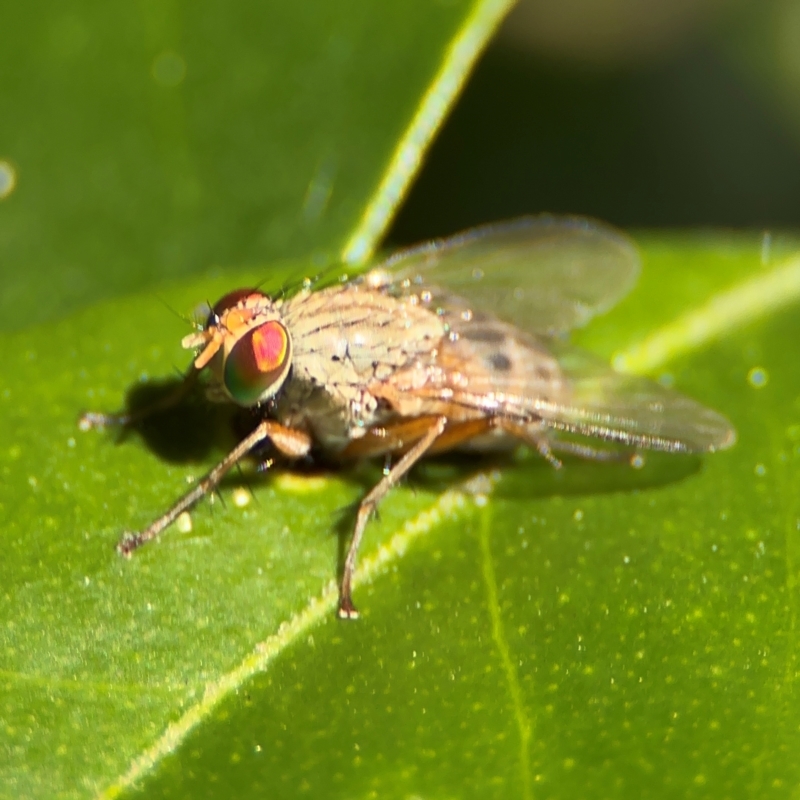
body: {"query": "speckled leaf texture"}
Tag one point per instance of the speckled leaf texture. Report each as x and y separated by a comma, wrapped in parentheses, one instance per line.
(598, 631)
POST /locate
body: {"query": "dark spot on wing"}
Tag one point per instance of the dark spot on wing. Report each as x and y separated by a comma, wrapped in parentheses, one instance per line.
(499, 362)
(489, 335)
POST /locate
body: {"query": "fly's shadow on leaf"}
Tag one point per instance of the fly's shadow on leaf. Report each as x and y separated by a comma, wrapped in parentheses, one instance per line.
(586, 477)
(193, 429)
(186, 431)
(525, 474)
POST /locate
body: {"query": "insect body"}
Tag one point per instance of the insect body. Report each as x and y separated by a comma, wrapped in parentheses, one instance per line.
(456, 344)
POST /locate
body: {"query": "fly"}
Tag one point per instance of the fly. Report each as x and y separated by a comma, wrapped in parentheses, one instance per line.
(457, 344)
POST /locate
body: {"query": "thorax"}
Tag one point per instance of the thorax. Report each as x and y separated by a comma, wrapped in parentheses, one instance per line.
(347, 339)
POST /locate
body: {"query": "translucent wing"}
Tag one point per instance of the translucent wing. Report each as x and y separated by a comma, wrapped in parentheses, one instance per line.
(493, 368)
(603, 403)
(544, 274)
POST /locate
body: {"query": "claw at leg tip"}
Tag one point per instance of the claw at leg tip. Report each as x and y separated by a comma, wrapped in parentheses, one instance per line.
(124, 545)
(88, 421)
(347, 611)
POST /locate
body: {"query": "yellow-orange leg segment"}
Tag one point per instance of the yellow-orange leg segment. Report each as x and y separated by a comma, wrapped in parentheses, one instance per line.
(398, 437)
(292, 443)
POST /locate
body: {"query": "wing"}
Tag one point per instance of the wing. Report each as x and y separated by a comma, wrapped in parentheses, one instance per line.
(630, 409)
(544, 274)
(490, 368)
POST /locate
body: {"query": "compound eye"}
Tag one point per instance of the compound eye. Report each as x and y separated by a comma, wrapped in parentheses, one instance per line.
(258, 363)
(228, 302)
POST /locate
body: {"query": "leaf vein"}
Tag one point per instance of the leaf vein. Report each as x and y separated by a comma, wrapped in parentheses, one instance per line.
(407, 156)
(524, 725)
(318, 610)
(726, 311)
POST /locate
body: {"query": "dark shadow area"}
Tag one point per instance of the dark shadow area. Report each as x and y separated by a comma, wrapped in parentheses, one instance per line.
(684, 141)
(526, 474)
(188, 432)
(196, 429)
(580, 477)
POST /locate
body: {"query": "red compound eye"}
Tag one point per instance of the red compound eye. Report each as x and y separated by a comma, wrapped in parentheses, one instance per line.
(258, 364)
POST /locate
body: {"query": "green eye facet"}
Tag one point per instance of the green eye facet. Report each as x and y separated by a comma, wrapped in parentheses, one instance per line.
(258, 363)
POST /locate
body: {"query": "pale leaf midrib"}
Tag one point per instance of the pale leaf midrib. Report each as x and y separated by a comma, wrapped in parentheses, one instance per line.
(761, 288)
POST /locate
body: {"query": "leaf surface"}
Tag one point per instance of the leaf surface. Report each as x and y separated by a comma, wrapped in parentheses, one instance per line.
(598, 631)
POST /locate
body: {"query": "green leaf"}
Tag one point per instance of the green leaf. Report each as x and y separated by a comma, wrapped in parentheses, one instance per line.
(598, 631)
(147, 142)
(151, 140)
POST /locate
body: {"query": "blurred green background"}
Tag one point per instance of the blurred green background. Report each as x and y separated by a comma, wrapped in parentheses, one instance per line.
(649, 114)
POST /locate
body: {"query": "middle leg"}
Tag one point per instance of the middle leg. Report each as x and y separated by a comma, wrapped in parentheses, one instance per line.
(368, 505)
